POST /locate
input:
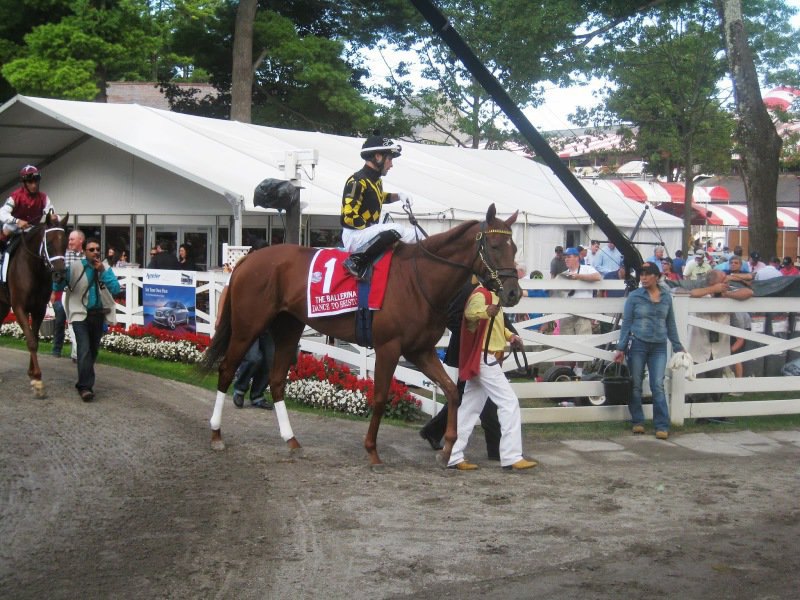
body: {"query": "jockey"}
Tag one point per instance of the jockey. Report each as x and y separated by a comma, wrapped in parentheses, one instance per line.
(25, 206)
(362, 200)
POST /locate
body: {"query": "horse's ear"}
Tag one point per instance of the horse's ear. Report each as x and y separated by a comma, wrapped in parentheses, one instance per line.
(64, 220)
(491, 213)
(512, 219)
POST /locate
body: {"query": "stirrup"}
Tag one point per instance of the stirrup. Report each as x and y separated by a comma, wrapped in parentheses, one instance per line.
(354, 265)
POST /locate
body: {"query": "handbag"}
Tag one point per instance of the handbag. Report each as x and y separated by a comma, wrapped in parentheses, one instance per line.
(109, 306)
(617, 384)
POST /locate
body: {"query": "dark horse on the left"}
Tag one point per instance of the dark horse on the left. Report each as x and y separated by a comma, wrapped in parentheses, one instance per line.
(268, 292)
(37, 261)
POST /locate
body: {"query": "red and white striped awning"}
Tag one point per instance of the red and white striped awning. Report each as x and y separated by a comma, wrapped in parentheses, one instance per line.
(657, 191)
(788, 217)
(781, 97)
(707, 205)
(730, 215)
(735, 215)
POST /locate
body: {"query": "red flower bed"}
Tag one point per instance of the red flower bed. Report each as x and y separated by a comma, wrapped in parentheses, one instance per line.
(310, 367)
(200, 340)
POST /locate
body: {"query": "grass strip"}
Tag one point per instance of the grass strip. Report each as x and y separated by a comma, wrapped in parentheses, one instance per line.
(540, 431)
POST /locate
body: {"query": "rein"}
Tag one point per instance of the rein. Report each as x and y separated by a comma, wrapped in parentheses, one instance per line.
(514, 351)
(43, 253)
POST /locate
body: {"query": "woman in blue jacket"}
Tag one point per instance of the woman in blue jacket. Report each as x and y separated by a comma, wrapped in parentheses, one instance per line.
(648, 322)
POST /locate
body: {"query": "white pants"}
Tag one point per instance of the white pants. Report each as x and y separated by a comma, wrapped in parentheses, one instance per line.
(73, 346)
(352, 239)
(491, 382)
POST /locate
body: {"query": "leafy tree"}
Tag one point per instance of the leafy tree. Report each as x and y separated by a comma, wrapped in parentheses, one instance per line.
(305, 76)
(666, 79)
(94, 41)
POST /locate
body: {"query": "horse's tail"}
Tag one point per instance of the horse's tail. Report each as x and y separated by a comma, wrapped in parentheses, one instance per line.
(219, 343)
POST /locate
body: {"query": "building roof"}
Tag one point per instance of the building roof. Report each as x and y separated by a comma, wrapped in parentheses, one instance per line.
(147, 93)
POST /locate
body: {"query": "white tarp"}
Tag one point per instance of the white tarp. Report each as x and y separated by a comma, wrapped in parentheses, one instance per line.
(231, 158)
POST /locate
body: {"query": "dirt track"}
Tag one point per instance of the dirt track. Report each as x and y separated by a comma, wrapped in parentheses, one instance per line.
(122, 498)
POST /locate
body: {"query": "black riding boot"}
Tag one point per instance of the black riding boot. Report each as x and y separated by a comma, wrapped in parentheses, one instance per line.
(359, 262)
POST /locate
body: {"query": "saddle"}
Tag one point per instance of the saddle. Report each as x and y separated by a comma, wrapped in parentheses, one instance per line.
(7, 249)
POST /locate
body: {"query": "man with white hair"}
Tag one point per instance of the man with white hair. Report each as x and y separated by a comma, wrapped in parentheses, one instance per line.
(659, 253)
(607, 260)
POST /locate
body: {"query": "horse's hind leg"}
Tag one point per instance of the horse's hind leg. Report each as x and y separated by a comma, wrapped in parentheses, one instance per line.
(286, 332)
(227, 369)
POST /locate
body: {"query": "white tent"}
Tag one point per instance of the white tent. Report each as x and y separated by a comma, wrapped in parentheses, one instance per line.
(128, 160)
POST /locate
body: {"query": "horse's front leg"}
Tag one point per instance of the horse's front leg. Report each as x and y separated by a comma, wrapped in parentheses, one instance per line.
(386, 359)
(430, 365)
(31, 332)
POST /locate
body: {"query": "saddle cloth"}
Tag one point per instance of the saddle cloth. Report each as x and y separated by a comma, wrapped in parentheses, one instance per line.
(332, 290)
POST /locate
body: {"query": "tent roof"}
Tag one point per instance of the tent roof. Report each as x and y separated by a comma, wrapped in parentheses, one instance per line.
(231, 158)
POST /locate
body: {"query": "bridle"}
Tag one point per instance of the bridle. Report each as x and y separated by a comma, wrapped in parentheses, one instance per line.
(491, 282)
(44, 252)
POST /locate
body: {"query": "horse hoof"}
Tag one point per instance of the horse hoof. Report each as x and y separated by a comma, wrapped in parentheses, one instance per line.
(297, 452)
(443, 458)
(378, 468)
(38, 389)
(216, 440)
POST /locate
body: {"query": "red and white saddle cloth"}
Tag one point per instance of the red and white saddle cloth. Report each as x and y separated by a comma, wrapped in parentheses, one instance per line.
(332, 290)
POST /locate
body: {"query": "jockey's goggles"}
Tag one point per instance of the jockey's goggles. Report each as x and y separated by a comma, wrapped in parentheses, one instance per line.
(394, 150)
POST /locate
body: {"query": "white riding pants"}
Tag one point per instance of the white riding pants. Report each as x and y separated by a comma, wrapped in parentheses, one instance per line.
(352, 239)
(491, 382)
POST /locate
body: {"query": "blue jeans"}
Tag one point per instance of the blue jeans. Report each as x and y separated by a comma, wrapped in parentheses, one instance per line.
(654, 356)
(255, 365)
(59, 325)
(87, 338)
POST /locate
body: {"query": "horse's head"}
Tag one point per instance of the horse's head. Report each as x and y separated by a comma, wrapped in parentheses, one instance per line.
(54, 245)
(496, 252)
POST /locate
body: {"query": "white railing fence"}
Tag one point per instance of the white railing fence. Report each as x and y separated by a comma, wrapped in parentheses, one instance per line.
(763, 355)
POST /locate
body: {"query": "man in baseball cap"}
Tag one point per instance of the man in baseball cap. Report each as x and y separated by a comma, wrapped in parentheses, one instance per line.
(698, 267)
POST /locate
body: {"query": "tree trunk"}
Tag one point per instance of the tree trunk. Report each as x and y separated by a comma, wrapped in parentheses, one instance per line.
(759, 143)
(242, 69)
(688, 193)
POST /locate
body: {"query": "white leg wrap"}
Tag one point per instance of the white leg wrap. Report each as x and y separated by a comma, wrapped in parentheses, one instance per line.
(283, 421)
(216, 416)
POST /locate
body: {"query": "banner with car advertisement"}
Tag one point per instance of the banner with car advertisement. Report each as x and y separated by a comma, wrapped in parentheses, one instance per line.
(168, 300)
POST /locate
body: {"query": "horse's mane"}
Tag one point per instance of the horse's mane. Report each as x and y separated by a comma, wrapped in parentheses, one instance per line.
(446, 237)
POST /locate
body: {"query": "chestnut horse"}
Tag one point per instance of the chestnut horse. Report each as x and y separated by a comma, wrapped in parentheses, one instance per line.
(268, 291)
(35, 264)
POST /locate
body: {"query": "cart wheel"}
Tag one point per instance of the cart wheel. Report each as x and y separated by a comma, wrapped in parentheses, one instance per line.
(558, 373)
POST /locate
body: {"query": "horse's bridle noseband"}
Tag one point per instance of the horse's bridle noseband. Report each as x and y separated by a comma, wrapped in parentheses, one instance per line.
(44, 252)
(493, 282)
